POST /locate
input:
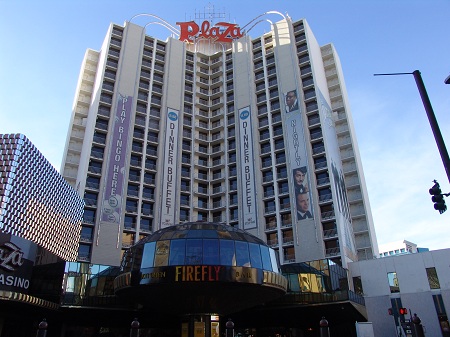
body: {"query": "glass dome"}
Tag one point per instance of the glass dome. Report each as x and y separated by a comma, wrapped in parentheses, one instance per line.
(200, 243)
(203, 267)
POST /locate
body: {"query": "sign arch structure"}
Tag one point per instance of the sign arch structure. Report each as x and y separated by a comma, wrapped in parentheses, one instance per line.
(220, 33)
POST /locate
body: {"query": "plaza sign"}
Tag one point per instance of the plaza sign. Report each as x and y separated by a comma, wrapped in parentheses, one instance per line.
(220, 32)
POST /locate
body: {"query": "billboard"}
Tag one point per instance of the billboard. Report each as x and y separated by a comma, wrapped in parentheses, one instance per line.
(113, 199)
(297, 157)
(170, 169)
(248, 195)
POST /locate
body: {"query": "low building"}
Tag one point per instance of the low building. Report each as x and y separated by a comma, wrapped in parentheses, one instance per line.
(419, 283)
(399, 248)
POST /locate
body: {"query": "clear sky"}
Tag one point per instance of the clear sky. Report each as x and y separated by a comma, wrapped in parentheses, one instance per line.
(43, 43)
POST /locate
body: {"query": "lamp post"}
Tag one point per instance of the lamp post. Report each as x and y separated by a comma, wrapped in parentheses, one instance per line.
(134, 331)
(42, 329)
(431, 117)
(324, 330)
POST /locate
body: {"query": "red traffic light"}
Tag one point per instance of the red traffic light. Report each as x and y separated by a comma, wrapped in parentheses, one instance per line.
(403, 311)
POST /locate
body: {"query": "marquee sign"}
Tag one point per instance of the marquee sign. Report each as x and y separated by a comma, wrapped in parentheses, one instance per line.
(16, 263)
(200, 273)
(220, 32)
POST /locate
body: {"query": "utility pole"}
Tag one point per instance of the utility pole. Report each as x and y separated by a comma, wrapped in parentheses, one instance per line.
(431, 118)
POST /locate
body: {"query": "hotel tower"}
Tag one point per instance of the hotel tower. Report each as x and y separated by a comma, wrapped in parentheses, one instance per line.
(215, 125)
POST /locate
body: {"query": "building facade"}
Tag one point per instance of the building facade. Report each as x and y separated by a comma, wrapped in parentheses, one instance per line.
(40, 225)
(417, 282)
(250, 132)
(36, 203)
(399, 248)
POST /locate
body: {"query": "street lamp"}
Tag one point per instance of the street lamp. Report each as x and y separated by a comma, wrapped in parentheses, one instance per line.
(431, 117)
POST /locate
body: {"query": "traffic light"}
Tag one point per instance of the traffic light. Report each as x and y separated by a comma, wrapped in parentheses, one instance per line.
(403, 311)
(438, 198)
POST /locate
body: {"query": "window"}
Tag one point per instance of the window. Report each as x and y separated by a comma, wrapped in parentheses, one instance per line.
(433, 278)
(89, 216)
(233, 184)
(242, 254)
(211, 252)
(269, 191)
(393, 282)
(93, 182)
(194, 252)
(233, 199)
(146, 224)
(86, 233)
(234, 214)
(266, 162)
(357, 285)
(227, 257)
(184, 215)
(255, 255)
(147, 208)
(131, 206)
(177, 252)
(133, 190)
(84, 251)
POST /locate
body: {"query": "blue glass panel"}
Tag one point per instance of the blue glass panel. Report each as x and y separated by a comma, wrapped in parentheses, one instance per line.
(177, 252)
(227, 257)
(211, 252)
(242, 255)
(273, 259)
(148, 255)
(209, 233)
(194, 249)
(293, 283)
(255, 256)
(267, 264)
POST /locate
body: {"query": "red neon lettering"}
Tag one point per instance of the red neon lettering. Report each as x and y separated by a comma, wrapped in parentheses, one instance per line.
(188, 30)
(221, 32)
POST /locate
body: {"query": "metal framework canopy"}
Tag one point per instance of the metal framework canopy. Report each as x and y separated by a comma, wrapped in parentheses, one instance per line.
(202, 17)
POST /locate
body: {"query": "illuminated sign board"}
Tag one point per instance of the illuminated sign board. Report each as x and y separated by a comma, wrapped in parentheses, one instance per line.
(201, 273)
(220, 32)
(16, 262)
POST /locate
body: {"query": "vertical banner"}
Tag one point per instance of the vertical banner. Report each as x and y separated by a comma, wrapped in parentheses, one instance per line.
(170, 169)
(247, 169)
(338, 189)
(113, 197)
(296, 150)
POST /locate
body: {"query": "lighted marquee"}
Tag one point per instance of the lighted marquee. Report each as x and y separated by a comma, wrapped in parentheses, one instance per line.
(17, 257)
(220, 32)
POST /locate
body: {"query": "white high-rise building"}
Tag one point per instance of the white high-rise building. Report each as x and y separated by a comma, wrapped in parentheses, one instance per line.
(254, 132)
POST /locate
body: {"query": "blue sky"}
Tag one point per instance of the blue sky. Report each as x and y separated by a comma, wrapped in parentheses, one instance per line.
(43, 44)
